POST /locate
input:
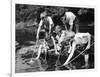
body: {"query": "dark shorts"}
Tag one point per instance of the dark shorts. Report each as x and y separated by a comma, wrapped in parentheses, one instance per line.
(82, 48)
(44, 34)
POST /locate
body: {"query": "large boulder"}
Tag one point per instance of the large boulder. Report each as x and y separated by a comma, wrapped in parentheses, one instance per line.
(25, 32)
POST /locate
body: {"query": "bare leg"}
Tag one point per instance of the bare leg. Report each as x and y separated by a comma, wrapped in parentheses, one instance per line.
(71, 27)
(39, 52)
(55, 46)
(45, 49)
(86, 59)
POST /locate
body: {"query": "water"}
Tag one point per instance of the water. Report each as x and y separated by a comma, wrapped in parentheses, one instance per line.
(21, 65)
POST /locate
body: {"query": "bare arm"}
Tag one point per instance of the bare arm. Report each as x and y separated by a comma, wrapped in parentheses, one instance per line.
(71, 53)
(50, 28)
(54, 43)
(40, 24)
(55, 46)
(50, 24)
(89, 41)
(71, 24)
(71, 21)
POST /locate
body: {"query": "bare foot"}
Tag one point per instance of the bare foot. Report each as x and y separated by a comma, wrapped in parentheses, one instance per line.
(85, 66)
(30, 62)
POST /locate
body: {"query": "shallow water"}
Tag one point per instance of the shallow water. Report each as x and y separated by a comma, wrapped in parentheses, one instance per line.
(51, 64)
(22, 66)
